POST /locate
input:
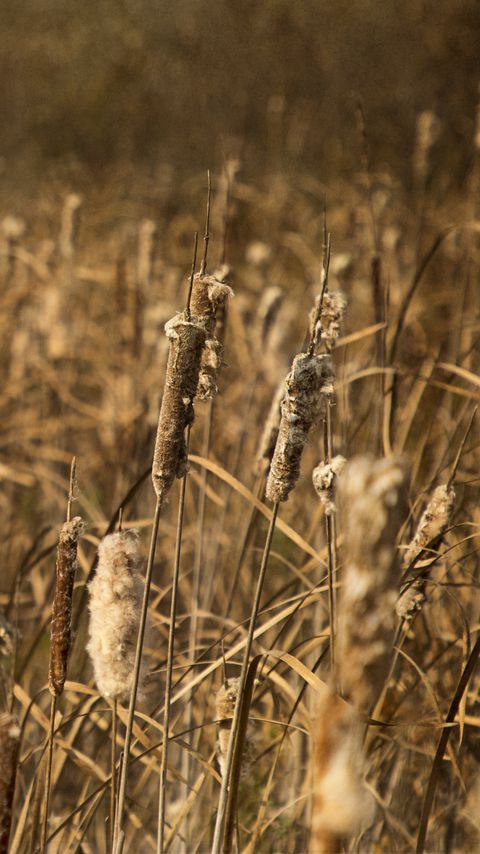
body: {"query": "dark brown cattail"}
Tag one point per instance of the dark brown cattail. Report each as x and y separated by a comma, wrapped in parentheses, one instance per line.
(9, 742)
(65, 570)
(187, 338)
(306, 387)
(373, 503)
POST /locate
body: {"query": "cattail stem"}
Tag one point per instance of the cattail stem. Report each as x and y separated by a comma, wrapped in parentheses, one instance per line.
(113, 772)
(61, 628)
(217, 845)
(170, 653)
(48, 775)
(118, 835)
(330, 530)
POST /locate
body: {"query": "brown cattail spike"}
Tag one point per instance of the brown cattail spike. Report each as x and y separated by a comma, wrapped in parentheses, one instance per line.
(66, 566)
(9, 742)
(308, 383)
(373, 504)
(434, 522)
(187, 339)
(209, 296)
(115, 604)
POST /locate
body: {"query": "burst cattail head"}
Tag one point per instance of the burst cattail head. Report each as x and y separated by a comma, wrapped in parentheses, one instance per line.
(333, 308)
(324, 477)
(115, 606)
(342, 806)
(373, 504)
(307, 384)
(187, 339)
(225, 700)
(66, 567)
(9, 743)
(433, 523)
(209, 296)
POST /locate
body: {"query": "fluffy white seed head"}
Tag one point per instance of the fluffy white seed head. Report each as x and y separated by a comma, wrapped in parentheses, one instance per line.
(324, 477)
(115, 603)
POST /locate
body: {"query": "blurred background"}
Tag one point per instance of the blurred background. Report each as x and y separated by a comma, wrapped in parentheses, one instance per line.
(88, 86)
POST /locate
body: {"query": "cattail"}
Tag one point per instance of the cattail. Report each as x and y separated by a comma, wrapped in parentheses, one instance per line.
(433, 523)
(270, 304)
(115, 605)
(342, 806)
(373, 504)
(146, 246)
(324, 477)
(209, 295)
(69, 226)
(307, 384)
(331, 315)
(9, 743)
(225, 700)
(66, 567)
(427, 132)
(268, 439)
(187, 338)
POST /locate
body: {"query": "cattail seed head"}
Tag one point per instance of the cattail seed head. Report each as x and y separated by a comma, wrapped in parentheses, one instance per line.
(333, 308)
(324, 477)
(66, 567)
(225, 700)
(9, 743)
(307, 384)
(187, 339)
(209, 297)
(270, 305)
(373, 504)
(115, 606)
(342, 806)
(433, 523)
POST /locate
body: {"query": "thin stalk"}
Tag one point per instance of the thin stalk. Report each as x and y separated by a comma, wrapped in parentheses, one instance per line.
(117, 840)
(113, 774)
(48, 775)
(224, 791)
(53, 699)
(330, 531)
(170, 653)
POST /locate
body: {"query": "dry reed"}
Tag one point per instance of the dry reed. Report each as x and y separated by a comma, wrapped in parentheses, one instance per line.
(9, 744)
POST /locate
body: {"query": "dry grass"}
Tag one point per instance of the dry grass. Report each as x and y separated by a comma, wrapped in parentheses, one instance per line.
(84, 360)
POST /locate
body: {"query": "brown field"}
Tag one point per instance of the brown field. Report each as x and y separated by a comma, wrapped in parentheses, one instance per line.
(344, 149)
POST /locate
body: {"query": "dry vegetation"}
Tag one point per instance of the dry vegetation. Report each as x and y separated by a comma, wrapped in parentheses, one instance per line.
(309, 647)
